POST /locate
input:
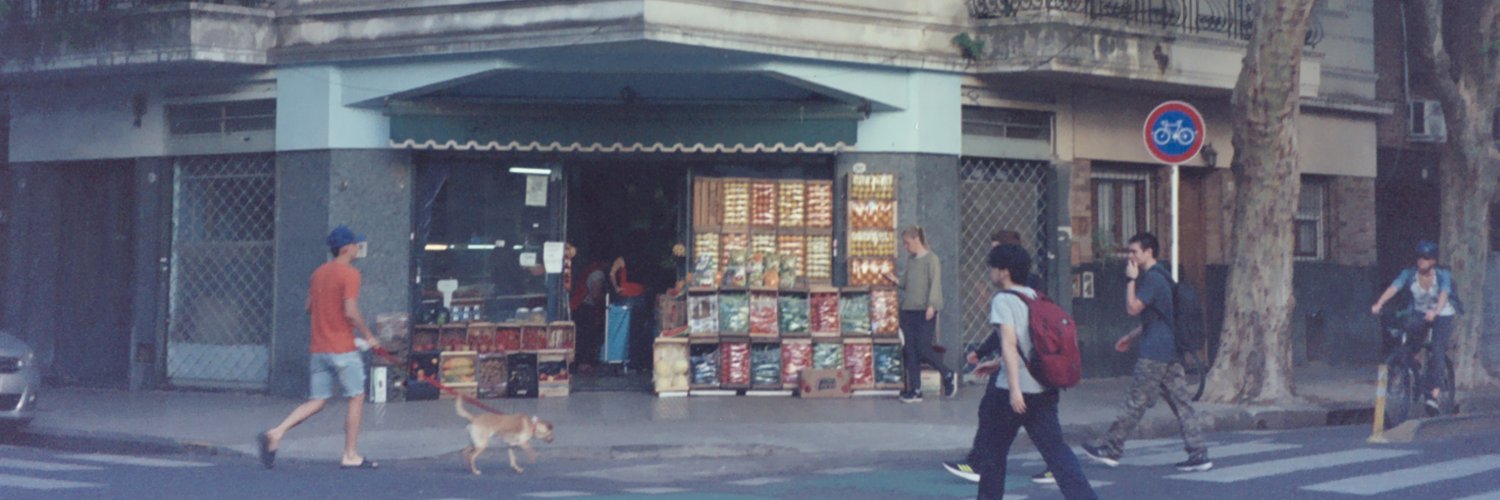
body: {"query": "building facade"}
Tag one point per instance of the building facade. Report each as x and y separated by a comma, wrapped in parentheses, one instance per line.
(174, 167)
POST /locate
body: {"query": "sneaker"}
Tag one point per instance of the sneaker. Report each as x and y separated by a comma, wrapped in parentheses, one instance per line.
(1101, 455)
(963, 470)
(1196, 463)
(950, 385)
(912, 397)
(1044, 477)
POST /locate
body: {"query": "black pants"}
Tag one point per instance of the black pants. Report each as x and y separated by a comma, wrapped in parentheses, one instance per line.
(976, 452)
(590, 333)
(1041, 424)
(918, 331)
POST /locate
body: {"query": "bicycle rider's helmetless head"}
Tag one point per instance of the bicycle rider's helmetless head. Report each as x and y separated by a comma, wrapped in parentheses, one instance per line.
(1427, 255)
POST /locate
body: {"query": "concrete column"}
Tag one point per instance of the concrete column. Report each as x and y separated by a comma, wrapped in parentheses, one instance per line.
(153, 237)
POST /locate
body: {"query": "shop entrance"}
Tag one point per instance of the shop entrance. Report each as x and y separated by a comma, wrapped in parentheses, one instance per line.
(632, 212)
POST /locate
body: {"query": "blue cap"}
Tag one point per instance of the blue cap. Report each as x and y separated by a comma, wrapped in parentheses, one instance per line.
(1427, 249)
(341, 236)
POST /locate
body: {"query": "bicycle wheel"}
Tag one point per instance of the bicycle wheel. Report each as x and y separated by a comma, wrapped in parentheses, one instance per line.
(1400, 394)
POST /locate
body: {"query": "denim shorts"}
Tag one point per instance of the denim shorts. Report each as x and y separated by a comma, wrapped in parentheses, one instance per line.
(348, 367)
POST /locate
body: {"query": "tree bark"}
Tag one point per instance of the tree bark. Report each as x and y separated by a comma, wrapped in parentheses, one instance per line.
(1254, 363)
(1458, 45)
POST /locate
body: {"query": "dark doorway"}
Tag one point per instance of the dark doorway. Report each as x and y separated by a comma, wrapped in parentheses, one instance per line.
(634, 211)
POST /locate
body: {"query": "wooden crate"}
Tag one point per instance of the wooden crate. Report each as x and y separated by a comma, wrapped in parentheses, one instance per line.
(735, 369)
(736, 203)
(872, 186)
(885, 312)
(561, 335)
(820, 206)
(765, 360)
(491, 377)
(705, 362)
(859, 361)
(823, 311)
(457, 368)
(890, 371)
(796, 355)
(791, 204)
(819, 259)
(763, 204)
(708, 203)
(671, 368)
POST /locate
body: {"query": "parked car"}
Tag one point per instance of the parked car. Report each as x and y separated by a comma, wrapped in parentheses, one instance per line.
(20, 380)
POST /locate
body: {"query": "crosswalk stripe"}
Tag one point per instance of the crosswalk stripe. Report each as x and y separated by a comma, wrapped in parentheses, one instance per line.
(655, 491)
(557, 494)
(1493, 495)
(846, 471)
(1130, 446)
(36, 483)
(1374, 484)
(136, 461)
(759, 481)
(1290, 465)
(16, 463)
(1233, 450)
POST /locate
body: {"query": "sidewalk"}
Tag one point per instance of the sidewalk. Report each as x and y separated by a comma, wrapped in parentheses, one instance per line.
(605, 425)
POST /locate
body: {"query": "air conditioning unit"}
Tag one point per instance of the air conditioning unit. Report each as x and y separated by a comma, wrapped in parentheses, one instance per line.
(1426, 121)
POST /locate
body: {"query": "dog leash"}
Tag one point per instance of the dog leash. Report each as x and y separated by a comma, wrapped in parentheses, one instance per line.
(386, 355)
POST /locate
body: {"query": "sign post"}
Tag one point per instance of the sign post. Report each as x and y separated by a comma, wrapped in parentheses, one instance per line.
(1173, 134)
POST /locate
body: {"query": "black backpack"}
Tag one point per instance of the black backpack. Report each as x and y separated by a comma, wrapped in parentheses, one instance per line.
(1189, 324)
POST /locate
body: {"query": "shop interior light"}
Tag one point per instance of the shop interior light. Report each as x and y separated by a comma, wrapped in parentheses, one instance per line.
(435, 247)
(481, 247)
(530, 171)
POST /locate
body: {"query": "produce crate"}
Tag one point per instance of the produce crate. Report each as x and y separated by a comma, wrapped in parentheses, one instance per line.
(482, 340)
(872, 214)
(823, 311)
(458, 367)
(792, 314)
(828, 354)
(734, 260)
(736, 203)
(872, 243)
(671, 314)
(854, 312)
(819, 259)
(521, 375)
(707, 260)
(763, 204)
(791, 204)
(708, 203)
(765, 365)
(796, 355)
(820, 202)
(670, 364)
(870, 271)
(872, 187)
(885, 312)
(859, 354)
(533, 337)
(453, 337)
(703, 313)
(792, 252)
(491, 377)
(552, 373)
(704, 356)
(424, 364)
(763, 314)
(735, 368)
(890, 372)
(508, 336)
(425, 338)
(734, 313)
(470, 389)
(552, 390)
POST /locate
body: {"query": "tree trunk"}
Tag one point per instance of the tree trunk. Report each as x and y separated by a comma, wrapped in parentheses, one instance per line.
(1456, 43)
(1254, 362)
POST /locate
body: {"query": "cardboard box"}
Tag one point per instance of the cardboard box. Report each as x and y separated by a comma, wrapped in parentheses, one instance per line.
(552, 390)
(932, 382)
(823, 384)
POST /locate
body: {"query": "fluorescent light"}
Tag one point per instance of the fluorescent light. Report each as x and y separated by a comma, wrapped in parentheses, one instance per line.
(481, 247)
(435, 247)
(530, 171)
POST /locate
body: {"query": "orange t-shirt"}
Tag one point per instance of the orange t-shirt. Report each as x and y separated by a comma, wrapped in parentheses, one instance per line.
(332, 284)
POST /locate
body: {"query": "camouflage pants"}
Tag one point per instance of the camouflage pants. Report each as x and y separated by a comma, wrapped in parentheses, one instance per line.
(1153, 378)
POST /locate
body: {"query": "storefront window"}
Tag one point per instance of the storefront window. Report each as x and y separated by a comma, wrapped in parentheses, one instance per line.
(486, 225)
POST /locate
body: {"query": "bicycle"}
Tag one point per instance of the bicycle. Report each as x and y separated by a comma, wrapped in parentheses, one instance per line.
(1404, 388)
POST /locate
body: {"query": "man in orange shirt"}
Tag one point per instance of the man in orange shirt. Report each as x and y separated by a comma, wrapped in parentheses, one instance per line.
(333, 303)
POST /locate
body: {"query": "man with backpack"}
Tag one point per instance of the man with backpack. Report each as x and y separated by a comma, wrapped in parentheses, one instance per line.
(1158, 367)
(1026, 394)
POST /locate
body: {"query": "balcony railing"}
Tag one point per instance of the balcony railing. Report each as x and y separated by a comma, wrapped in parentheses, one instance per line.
(49, 9)
(1235, 18)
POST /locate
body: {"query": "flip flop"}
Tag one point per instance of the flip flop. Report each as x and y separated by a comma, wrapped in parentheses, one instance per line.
(267, 455)
(363, 464)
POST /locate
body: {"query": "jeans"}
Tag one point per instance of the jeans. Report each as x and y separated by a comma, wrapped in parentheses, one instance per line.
(1437, 357)
(919, 331)
(1040, 421)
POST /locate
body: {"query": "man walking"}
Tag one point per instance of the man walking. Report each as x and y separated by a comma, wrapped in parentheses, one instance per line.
(1158, 368)
(333, 303)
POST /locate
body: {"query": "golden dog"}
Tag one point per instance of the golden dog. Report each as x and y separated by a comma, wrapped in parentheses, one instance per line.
(515, 429)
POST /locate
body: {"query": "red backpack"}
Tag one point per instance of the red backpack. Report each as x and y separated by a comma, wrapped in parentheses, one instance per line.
(1054, 361)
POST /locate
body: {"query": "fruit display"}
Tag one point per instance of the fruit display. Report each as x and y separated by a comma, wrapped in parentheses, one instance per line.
(736, 202)
(703, 314)
(820, 205)
(819, 259)
(823, 308)
(458, 368)
(552, 368)
(872, 214)
(731, 244)
(791, 204)
(870, 271)
(509, 338)
(761, 244)
(560, 335)
(670, 366)
(735, 368)
(763, 204)
(792, 248)
(872, 186)
(734, 313)
(736, 270)
(885, 311)
(859, 361)
(828, 355)
(796, 355)
(792, 314)
(706, 259)
(765, 365)
(854, 313)
(872, 243)
(763, 314)
(705, 361)
(533, 338)
(889, 372)
(491, 376)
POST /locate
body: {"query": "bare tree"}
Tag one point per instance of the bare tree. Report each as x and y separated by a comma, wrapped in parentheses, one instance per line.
(1458, 44)
(1255, 354)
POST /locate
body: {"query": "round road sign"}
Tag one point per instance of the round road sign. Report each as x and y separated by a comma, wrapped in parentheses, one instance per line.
(1174, 132)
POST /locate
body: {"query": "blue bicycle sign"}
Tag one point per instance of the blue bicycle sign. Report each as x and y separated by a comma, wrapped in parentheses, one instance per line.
(1174, 132)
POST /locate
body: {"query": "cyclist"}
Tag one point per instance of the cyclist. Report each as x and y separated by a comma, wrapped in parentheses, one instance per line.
(1434, 303)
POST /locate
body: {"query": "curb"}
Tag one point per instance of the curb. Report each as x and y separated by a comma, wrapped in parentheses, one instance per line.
(1437, 428)
(113, 442)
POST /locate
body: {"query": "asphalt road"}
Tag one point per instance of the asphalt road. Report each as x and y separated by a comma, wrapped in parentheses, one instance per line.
(1313, 463)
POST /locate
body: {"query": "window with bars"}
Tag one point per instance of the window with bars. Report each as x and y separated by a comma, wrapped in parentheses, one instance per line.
(1122, 206)
(1007, 123)
(1311, 222)
(222, 117)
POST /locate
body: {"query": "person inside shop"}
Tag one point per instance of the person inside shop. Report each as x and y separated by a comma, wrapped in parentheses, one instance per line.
(588, 312)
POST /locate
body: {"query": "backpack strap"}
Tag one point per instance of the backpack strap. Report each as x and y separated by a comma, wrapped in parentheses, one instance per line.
(1172, 287)
(1027, 302)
